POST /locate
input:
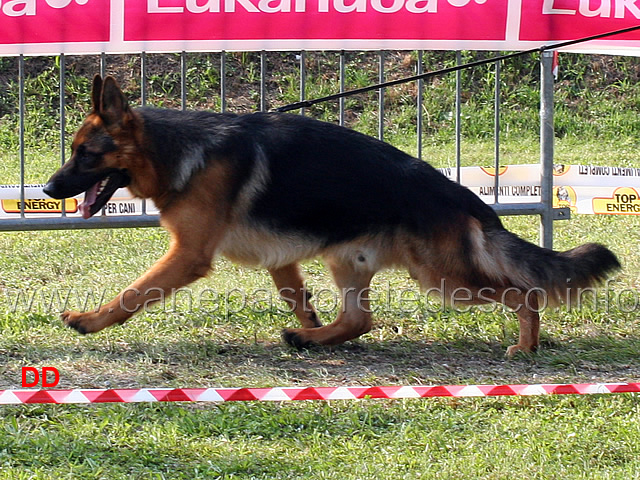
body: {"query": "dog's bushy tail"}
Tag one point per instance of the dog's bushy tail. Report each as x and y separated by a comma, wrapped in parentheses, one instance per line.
(560, 275)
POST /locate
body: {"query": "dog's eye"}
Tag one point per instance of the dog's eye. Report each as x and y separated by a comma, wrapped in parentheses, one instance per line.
(85, 157)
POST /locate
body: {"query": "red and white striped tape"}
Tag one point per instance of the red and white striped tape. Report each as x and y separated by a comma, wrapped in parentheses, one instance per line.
(280, 394)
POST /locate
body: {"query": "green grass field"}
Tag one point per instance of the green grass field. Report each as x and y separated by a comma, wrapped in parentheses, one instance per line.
(224, 331)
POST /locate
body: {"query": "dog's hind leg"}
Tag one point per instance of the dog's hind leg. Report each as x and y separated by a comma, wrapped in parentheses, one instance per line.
(526, 306)
(290, 284)
(529, 319)
(354, 318)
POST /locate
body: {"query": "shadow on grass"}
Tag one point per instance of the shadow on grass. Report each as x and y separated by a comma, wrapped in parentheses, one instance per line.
(199, 360)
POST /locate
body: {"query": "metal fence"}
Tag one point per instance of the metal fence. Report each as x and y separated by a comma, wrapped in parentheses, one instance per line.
(544, 208)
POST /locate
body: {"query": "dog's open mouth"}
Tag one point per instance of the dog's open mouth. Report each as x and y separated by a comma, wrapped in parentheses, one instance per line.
(99, 194)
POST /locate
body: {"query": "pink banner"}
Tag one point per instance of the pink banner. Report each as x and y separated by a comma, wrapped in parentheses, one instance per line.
(49, 27)
(54, 21)
(314, 19)
(544, 20)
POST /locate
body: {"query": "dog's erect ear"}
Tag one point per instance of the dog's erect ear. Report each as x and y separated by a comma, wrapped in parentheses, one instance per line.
(96, 90)
(114, 108)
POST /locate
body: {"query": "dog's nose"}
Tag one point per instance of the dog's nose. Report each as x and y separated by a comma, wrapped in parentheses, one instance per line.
(50, 189)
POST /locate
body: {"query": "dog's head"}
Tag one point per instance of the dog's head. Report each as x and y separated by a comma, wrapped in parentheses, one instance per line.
(101, 151)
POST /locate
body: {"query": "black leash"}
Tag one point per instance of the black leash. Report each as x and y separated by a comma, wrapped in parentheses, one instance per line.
(336, 96)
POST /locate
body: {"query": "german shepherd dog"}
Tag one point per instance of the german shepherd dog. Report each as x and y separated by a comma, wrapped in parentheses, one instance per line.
(275, 189)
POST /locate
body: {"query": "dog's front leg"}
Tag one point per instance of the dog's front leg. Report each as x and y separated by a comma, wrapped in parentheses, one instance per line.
(179, 267)
(194, 240)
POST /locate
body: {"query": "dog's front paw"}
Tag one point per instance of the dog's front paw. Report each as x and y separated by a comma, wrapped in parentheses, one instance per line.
(82, 322)
(295, 338)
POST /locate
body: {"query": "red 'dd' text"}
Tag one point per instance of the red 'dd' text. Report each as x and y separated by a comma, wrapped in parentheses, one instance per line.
(31, 377)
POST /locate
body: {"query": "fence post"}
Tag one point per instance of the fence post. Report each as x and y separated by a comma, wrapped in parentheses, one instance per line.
(343, 62)
(223, 81)
(62, 99)
(496, 133)
(303, 78)
(143, 79)
(419, 103)
(546, 148)
(63, 118)
(458, 114)
(381, 58)
(263, 81)
(21, 128)
(183, 80)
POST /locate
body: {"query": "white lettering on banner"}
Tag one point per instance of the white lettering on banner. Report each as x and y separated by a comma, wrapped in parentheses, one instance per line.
(230, 6)
(603, 11)
(64, 3)
(274, 6)
(153, 6)
(300, 6)
(462, 3)
(549, 9)
(356, 6)
(212, 6)
(622, 5)
(18, 8)
(377, 5)
(429, 6)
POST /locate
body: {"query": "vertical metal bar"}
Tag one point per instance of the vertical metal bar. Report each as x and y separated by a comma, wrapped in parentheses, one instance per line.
(143, 101)
(143, 78)
(381, 96)
(496, 132)
(63, 118)
(263, 81)
(103, 64)
(183, 80)
(21, 128)
(342, 84)
(62, 107)
(103, 73)
(546, 148)
(303, 79)
(458, 115)
(419, 101)
(223, 81)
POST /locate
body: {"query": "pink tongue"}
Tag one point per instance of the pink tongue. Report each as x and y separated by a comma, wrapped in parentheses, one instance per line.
(89, 199)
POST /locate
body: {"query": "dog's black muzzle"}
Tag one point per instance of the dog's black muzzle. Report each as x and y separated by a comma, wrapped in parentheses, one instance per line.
(98, 187)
